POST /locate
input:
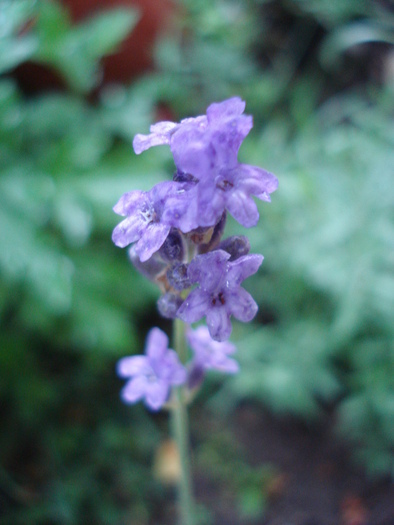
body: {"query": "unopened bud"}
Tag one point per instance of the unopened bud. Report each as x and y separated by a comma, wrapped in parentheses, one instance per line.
(168, 305)
(173, 248)
(236, 246)
(177, 276)
(196, 376)
(152, 268)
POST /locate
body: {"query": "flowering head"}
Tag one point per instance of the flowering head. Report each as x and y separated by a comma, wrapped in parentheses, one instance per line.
(176, 230)
(205, 150)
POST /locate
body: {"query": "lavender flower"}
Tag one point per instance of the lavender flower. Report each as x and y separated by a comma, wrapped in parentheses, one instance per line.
(176, 229)
(192, 133)
(211, 354)
(152, 374)
(232, 190)
(219, 294)
(150, 217)
(205, 150)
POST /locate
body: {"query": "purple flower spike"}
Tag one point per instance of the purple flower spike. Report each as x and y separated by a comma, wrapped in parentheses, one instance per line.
(210, 354)
(219, 294)
(151, 375)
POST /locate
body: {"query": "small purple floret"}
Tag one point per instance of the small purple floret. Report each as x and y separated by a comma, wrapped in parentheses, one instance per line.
(151, 375)
(219, 294)
(150, 216)
(210, 354)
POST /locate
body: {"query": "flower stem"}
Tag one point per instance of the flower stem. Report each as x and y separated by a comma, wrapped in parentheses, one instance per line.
(180, 429)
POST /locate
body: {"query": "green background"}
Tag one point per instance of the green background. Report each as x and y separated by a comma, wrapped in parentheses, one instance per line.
(318, 78)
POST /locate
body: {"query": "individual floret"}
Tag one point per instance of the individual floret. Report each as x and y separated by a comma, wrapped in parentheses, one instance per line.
(151, 375)
(210, 354)
(219, 294)
(150, 216)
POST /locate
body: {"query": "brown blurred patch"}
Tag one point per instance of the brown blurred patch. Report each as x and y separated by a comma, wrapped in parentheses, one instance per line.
(135, 53)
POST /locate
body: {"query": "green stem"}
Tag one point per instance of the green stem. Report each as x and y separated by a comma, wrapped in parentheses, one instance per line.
(180, 429)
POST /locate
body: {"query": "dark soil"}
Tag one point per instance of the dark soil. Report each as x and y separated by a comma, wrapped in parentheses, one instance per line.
(316, 481)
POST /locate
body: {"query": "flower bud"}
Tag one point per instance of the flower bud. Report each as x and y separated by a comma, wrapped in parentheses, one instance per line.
(152, 268)
(173, 248)
(236, 246)
(196, 376)
(177, 276)
(168, 305)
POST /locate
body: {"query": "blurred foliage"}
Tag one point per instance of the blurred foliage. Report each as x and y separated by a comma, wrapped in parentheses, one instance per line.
(327, 293)
(73, 51)
(318, 78)
(221, 461)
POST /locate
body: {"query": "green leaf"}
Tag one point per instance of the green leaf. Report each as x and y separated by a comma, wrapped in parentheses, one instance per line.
(102, 33)
(15, 51)
(53, 21)
(15, 48)
(251, 502)
(14, 14)
(75, 51)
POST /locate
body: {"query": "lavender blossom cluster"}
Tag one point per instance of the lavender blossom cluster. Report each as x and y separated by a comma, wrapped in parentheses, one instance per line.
(175, 231)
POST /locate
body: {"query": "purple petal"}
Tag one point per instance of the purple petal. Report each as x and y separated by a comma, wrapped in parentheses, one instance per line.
(210, 354)
(227, 365)
(228, 108)
(134, 365)
(164, 127)
(241, 305)
(220, 361)
(160, 134)
(190, 149)
(156, 344)
(199, 122)
(198, 338)
(172, 369)
(211, 203)
(128, 231)
(242, 208)
(152, 238)
(194, 307)
(130, 202)
(255, 180)
(157, 394)
(180, 210)
(162, 191)
(244, 267)
(135, 389)
(227, 138)
(209, 269)
(218, 322)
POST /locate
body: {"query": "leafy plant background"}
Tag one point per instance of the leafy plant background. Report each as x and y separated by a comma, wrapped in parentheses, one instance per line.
(318, 78)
